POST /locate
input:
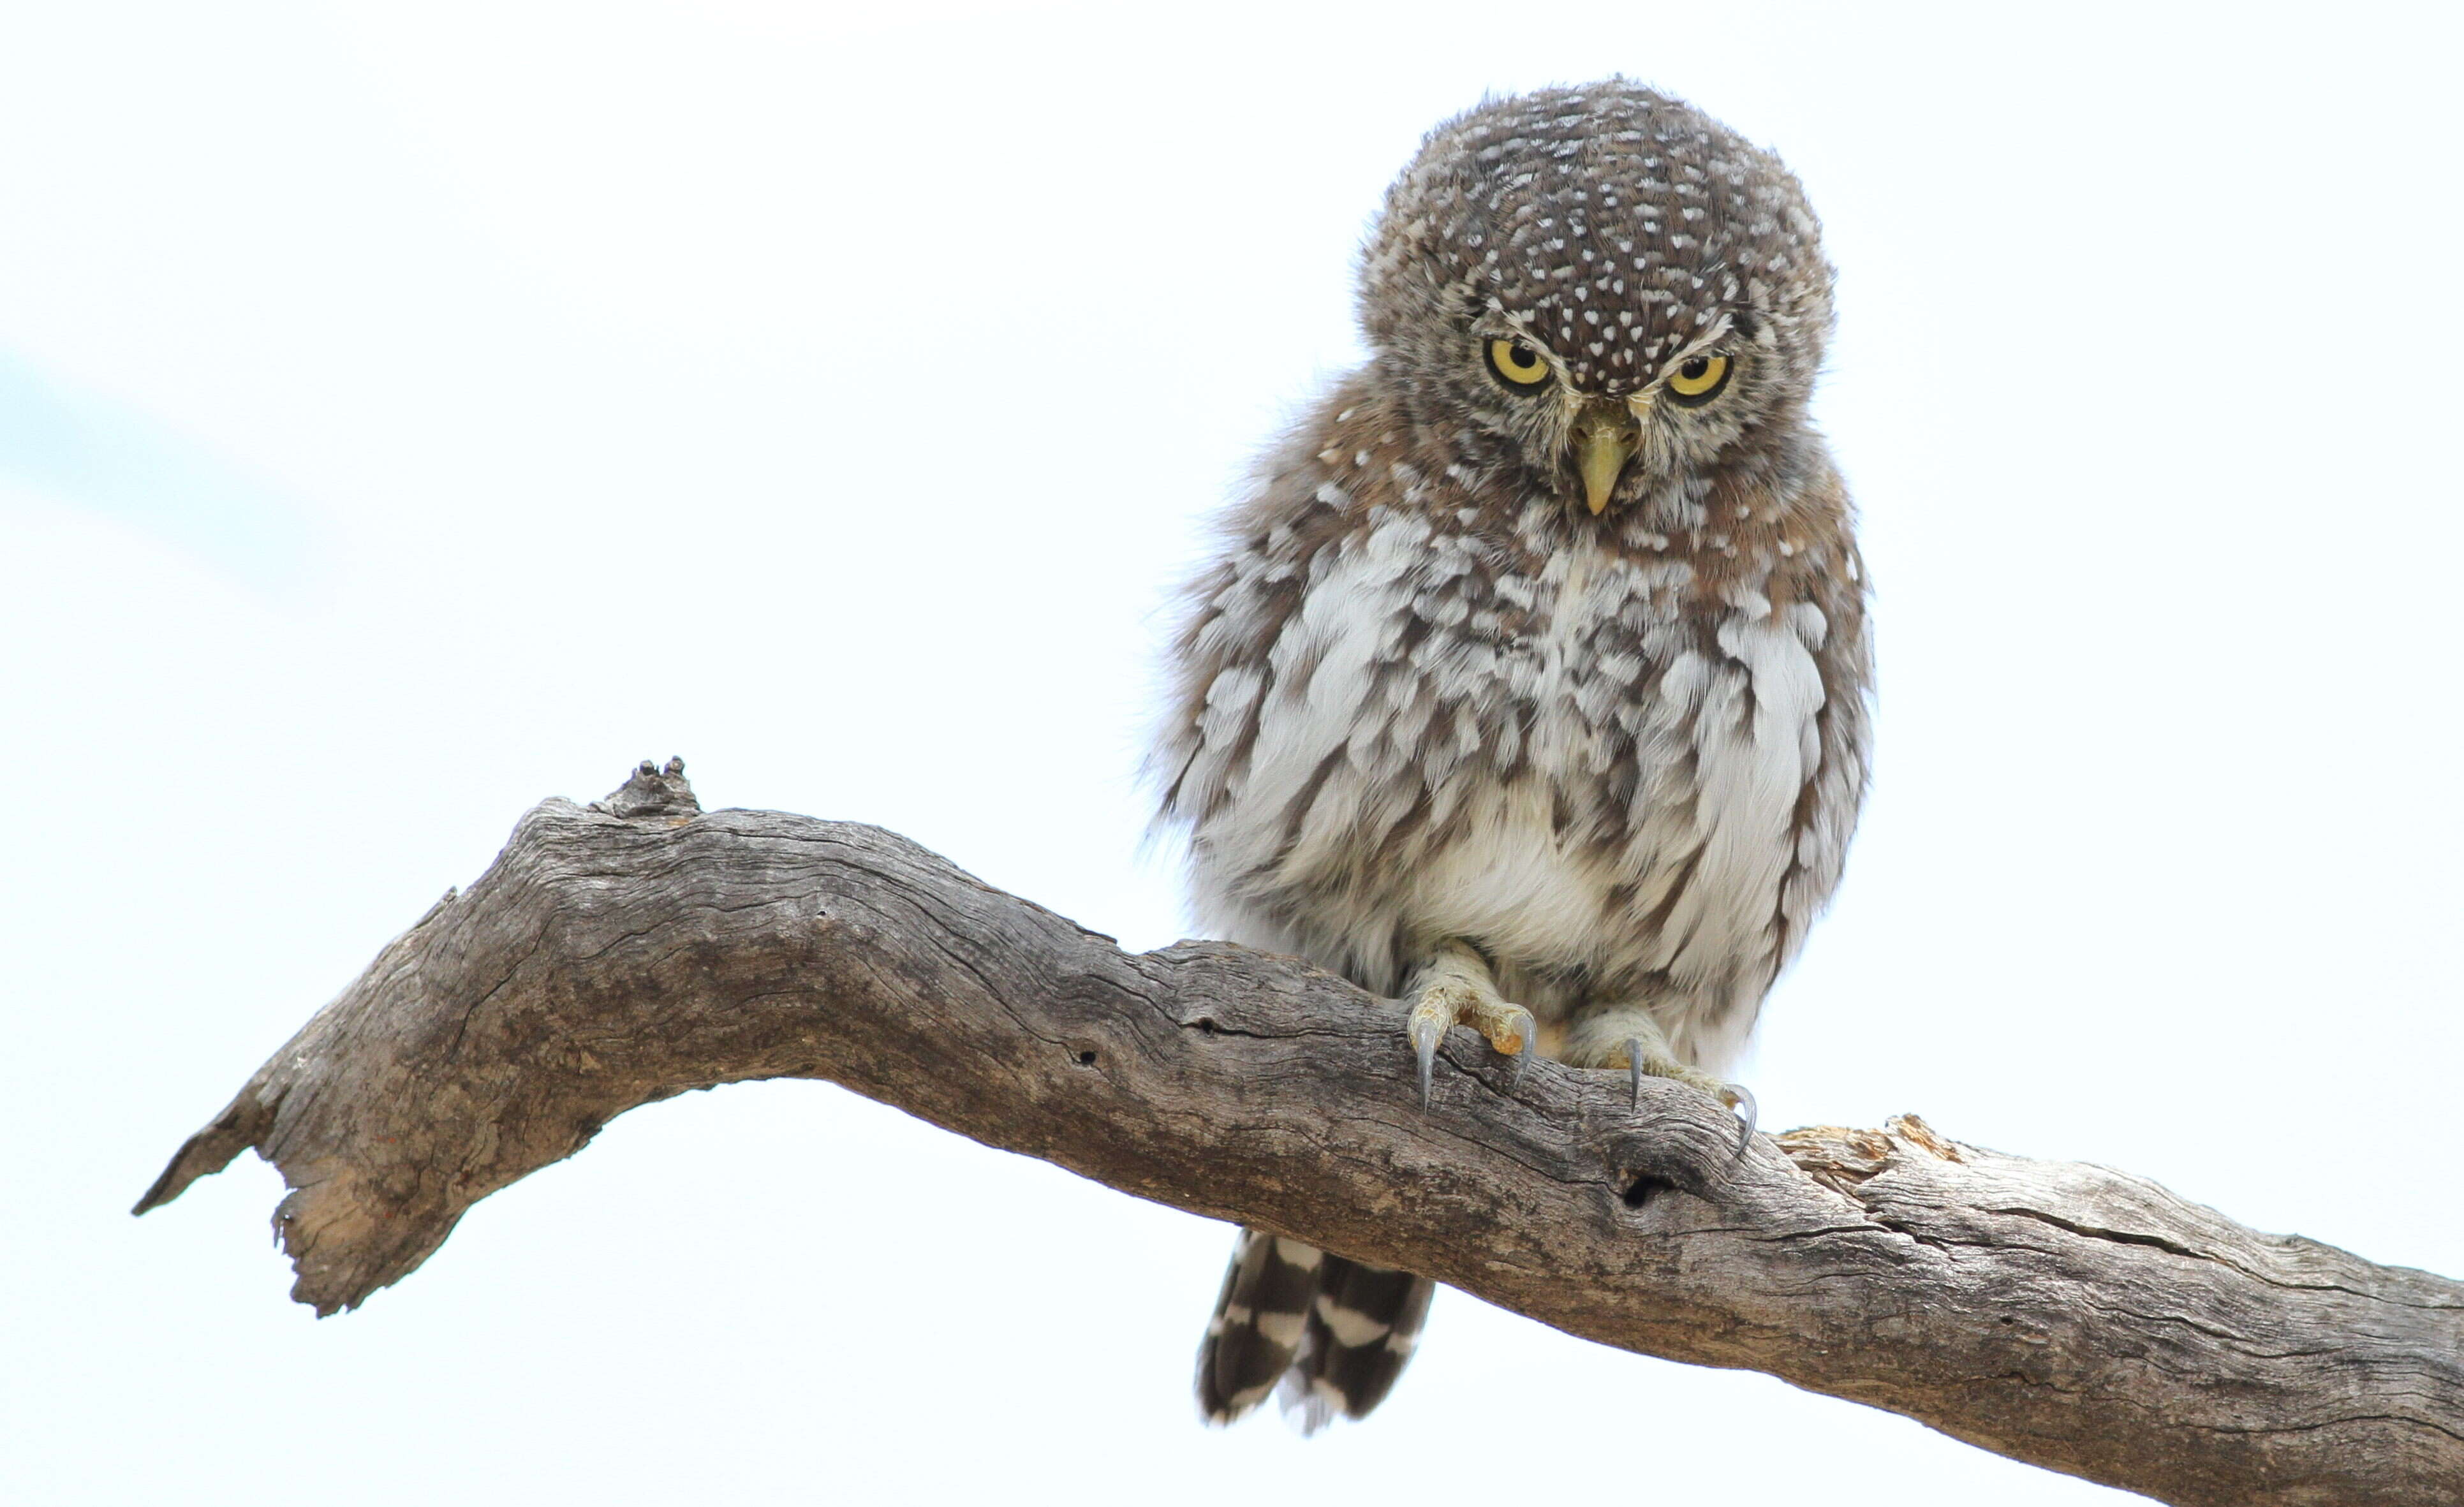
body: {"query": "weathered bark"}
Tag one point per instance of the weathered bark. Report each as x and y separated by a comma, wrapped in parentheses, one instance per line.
(2066, 1315)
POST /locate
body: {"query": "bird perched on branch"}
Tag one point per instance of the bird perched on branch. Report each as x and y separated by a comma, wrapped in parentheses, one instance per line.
(1530, 683)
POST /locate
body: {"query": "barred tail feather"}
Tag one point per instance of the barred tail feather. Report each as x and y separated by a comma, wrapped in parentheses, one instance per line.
(1259, 1323)
(1334, 1332)
(1362, 1328)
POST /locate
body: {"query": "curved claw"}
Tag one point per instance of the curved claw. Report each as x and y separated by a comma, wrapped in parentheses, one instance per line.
(1634, 1068)
(1738, 1097)
(1425, 1032)
(1528, 1048)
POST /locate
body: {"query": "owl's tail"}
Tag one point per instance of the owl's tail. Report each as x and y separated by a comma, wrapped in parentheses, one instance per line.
(1334, 1332)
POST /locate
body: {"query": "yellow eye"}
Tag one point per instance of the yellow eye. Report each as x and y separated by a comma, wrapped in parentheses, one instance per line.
(1698, 380)
(1516, 364)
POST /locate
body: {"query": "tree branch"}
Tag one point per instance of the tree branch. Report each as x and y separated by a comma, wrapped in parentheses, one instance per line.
(614, 955)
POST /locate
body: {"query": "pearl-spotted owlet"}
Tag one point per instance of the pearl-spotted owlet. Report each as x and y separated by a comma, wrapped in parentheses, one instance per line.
(1531, 682)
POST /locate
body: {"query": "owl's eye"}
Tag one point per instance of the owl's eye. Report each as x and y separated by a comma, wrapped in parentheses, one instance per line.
(1517, 366)
(1698, 380)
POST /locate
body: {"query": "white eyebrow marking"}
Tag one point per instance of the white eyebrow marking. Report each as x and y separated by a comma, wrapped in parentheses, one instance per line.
(1700, 345)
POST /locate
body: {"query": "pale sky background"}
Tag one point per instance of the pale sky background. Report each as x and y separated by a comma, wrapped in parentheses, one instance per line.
(410, 412)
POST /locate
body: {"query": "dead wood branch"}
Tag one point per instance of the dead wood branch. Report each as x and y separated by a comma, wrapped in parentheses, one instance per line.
(613, 955)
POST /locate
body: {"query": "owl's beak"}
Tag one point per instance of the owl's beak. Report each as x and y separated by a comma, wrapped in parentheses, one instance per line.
(1605, 438)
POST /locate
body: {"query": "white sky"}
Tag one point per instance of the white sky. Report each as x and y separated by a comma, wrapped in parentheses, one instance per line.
(408, 413)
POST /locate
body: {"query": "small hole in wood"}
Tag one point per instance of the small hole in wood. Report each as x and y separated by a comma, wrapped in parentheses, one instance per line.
(1644, 1189)
(1206, 1023)
(1087, 1057)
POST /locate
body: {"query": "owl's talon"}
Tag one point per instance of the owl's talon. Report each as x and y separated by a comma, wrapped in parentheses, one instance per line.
(1738, 1097)
(1526, 1042)
(1426, 1030)
(1644, 1058)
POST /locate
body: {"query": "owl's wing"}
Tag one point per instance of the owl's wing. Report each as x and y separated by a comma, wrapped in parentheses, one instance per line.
(1828, 806)
(1233, 613)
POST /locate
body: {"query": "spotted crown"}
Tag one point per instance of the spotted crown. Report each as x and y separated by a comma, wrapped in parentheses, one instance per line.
(1613, 226)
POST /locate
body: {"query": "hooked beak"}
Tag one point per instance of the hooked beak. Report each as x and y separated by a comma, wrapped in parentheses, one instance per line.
(1606, 435)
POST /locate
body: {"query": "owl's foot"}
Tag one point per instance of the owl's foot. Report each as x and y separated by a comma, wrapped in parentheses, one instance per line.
(1455, 989)
(1442, 1007)
(1630, 1037)
(1643, 1059)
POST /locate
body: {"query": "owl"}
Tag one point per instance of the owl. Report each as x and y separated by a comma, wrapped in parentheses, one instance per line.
(1530, 684)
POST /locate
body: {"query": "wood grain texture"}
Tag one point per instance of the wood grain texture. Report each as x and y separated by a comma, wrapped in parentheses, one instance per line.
(2066, 1315)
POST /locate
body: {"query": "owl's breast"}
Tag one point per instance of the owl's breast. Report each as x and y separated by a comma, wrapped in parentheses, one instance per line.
(1633, 807)
(1566, 757)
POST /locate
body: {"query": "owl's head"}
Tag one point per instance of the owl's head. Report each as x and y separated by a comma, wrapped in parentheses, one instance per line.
(1602, 285)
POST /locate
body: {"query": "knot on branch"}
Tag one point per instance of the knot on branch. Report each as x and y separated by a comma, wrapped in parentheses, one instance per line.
(650, 793)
